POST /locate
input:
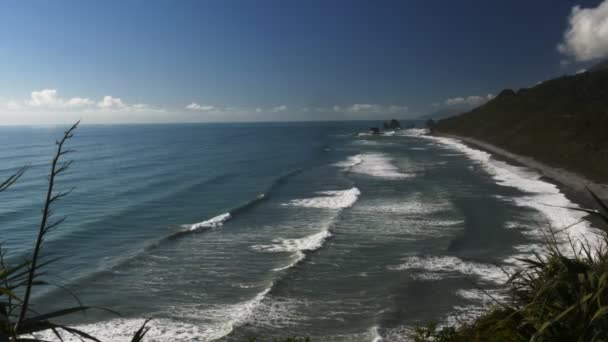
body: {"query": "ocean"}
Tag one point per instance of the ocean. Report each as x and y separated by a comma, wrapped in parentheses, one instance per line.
(220, 232)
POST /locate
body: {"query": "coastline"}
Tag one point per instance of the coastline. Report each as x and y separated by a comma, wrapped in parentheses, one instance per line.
(574, 185)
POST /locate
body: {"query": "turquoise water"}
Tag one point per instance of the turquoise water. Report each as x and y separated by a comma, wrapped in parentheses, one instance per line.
(225, 231)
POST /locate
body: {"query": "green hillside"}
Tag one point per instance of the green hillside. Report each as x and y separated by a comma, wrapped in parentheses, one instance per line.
(562, 122)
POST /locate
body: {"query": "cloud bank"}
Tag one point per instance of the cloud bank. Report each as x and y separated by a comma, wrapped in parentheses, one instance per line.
(366, 108)
(202, 108)
(352, 111)
(473, 100)
(586, 38)
(48, 98)
(46, 106)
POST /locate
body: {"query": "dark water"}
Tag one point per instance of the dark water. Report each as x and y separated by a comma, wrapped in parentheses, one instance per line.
(229, 231)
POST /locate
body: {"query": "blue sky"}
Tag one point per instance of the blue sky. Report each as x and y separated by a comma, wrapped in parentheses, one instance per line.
(187, 61)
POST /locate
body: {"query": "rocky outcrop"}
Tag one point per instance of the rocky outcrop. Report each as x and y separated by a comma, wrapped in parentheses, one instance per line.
(392, 124)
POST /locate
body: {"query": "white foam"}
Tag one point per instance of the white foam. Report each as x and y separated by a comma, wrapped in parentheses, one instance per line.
(411, 207)
(375, 335)
(366, 142)
(482, 297)
(542, 196)
(218, 322)
(414, 132)
(296, 246)
(338, 199)
(215, 222)
(439, 267)
(379, 165)
(307, 243)
(122, 330)
(299, 256)
(349, 162)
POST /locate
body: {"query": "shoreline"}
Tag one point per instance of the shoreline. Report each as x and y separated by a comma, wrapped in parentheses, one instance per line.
(573, 185)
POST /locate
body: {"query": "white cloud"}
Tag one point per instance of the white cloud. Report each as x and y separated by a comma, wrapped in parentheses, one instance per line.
(48, 98)
(79, 102)
(278, 109)
(370, 108)
(110, 102)
(587, 35)
(196, 106)
(46, 106)
(43, 98)
(474, 100)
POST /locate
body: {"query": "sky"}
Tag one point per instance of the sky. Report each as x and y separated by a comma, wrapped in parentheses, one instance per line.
(144, 61)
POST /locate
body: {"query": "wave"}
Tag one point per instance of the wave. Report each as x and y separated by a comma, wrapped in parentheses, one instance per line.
(544, 197)
(375, 335)
(296, 246)
(307, 243)
(349, 162)
(373, 164)
(416, 204)
(338, 199)
(414, 132)
(217, 221)
(440, 267)
(220, 321)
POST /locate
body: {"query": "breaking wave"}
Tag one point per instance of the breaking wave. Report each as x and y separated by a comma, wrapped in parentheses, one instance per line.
(338, 199)
(219, 321)
(215, 222)
(441, 267)
(375, 165)
(296, 246)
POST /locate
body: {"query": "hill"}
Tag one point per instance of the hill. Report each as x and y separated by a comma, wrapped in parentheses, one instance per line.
(562, 122)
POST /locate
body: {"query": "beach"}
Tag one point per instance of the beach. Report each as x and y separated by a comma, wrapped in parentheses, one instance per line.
(568, 180)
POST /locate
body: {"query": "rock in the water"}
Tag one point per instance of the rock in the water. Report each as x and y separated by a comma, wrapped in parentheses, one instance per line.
(392, 124)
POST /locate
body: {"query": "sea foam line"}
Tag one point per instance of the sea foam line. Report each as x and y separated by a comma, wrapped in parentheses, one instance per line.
(544, 197)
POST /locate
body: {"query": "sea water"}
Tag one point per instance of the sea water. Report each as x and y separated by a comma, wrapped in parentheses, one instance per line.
(229, 231)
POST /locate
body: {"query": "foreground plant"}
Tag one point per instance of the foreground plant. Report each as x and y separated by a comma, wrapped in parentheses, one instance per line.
(553, 298)
(18, 322)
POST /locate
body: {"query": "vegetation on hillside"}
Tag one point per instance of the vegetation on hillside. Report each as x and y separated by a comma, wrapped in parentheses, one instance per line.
(561, 122)
(553, 297)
